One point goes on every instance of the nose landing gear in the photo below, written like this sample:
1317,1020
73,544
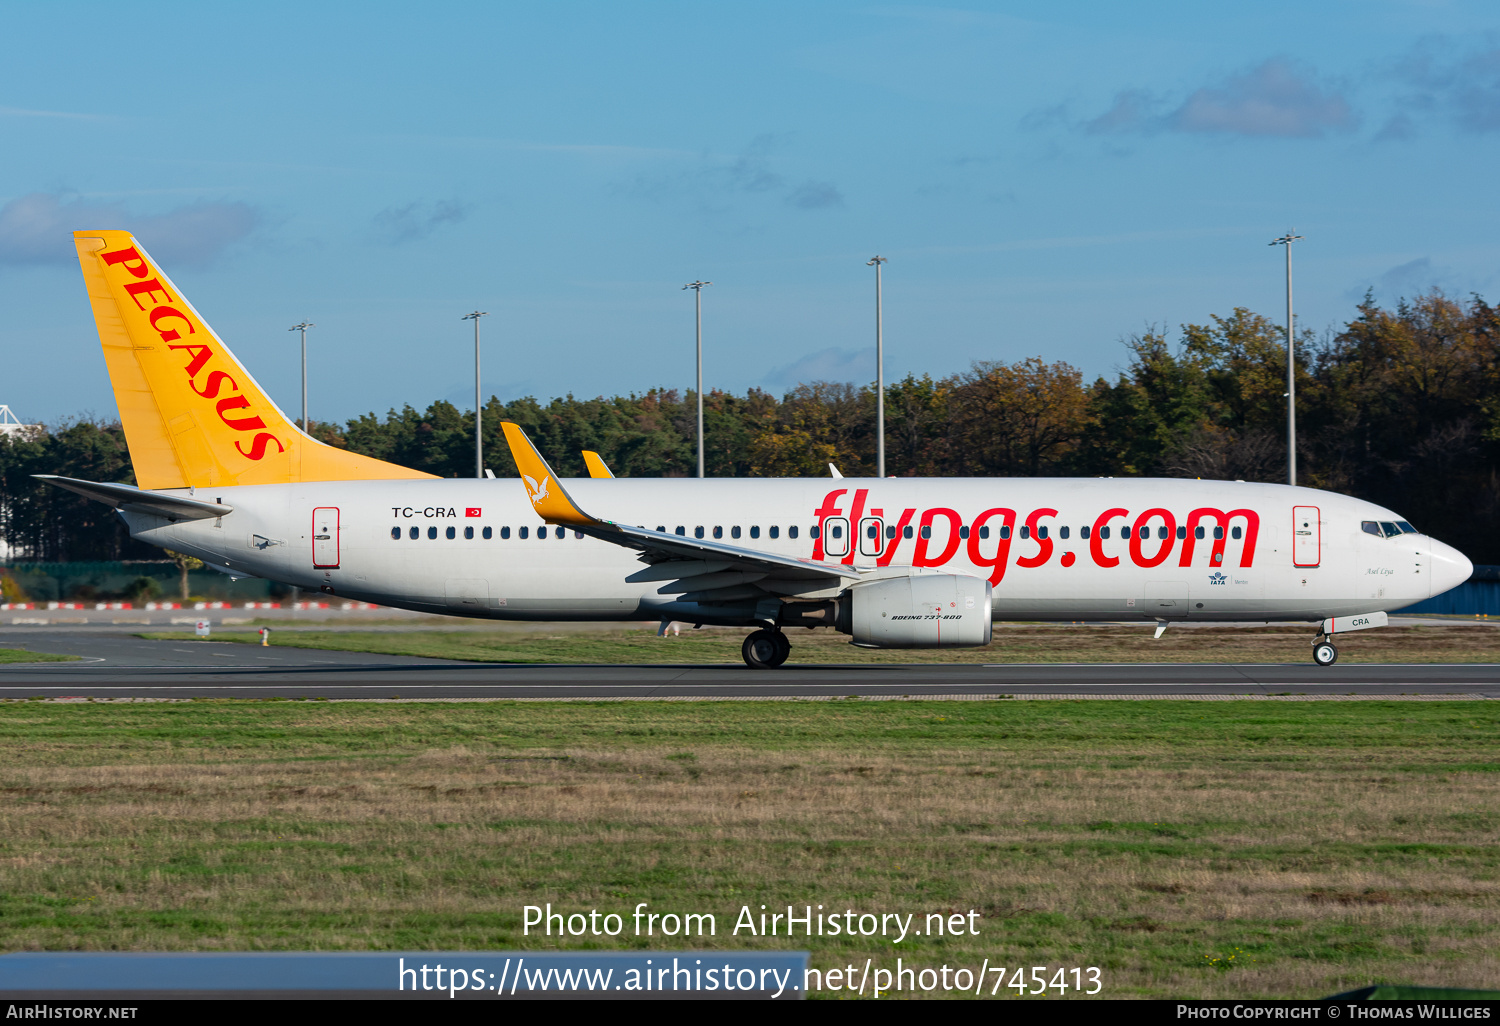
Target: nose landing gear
1324,653
765,649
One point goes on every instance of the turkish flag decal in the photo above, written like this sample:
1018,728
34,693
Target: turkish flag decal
471,511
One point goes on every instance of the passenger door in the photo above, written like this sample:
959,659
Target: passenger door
1307,536
325,546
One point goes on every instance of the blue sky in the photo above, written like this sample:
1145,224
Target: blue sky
1044,179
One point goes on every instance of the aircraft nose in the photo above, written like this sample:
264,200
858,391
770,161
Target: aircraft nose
1450,568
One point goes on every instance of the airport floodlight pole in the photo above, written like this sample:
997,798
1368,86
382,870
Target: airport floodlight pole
875,262
697,287
303,328
478,435
1291,365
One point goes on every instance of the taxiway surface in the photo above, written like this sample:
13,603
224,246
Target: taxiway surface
120,666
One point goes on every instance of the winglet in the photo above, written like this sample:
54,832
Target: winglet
595,463
551,500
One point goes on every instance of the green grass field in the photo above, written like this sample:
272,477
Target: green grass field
1014,643
21,655
1322,845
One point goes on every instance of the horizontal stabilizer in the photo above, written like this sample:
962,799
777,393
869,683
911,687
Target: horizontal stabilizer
131,499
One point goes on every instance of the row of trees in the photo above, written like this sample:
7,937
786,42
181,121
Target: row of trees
1401,406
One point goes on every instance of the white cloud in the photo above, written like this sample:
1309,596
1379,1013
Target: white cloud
831,364
1275,98
38,228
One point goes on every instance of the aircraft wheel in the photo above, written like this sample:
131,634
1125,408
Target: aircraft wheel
761,650
783,648
1324,654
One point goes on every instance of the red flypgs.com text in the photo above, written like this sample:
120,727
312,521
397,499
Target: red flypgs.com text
1145,538
169,322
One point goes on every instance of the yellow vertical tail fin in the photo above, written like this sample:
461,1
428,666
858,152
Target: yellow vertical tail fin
193,416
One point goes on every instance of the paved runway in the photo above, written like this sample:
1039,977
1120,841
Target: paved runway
121,666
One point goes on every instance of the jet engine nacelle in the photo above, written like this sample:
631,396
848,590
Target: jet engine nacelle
922,611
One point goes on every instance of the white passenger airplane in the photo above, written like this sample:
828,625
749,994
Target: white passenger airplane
895,563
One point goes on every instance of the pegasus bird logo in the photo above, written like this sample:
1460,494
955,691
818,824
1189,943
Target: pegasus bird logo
538,491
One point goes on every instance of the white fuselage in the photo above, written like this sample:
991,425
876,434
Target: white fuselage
1284,553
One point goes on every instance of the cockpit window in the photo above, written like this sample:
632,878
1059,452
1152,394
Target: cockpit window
1386,528
1370,527
1406,528
1390,529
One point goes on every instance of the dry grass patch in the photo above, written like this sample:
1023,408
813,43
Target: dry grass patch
1329,845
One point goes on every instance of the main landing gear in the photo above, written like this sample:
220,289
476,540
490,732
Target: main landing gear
1324,654
765,649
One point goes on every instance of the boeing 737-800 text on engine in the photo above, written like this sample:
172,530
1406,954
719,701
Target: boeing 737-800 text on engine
222,474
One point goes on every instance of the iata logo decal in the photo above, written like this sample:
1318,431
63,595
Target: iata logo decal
168,322
538,492
993,539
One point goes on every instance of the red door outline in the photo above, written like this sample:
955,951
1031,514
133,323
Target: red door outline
325,538
1307,536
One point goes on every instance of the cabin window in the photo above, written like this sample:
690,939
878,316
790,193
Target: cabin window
906,532
414,533
774,530
698,531
395,534
1104,532
754,531
718,532
1219,533
1162,532
522,533
578,535
1062,532
468,532
431,533
963,532
1181,532
661,528
873,531
1025,531
1198,533
926,530
488,532
812,532
1041,532
505,534
681,530
1004,531
560,532
791,532
1145,532
452,533
890,531
734,532
1234,532
1083,532
984,532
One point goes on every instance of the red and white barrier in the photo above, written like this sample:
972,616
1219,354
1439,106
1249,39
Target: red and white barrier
63,605
114,605
262,605
17,605
360,605
213,605
163,605
310,605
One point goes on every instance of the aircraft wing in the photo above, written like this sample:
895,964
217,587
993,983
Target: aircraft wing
697,569
140,500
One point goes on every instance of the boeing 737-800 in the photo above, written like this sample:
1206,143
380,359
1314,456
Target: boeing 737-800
224,475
